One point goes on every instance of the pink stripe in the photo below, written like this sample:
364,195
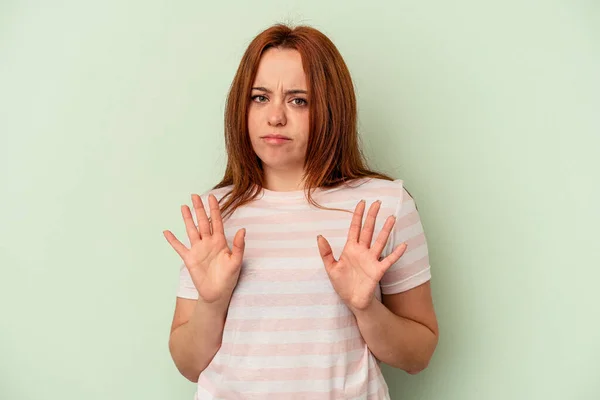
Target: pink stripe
407,220
283,275
307,234
296,324
289,218
292,349
288,374
312,251
303,216
281,300
310,234
299,252
412,242
335,394
415,241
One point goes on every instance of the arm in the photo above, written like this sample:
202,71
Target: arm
402,331
196,334
209,274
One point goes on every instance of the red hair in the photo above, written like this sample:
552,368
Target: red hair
333,155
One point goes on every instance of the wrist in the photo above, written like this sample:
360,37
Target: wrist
363,309
215,309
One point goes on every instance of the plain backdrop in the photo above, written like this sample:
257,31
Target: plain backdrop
111,115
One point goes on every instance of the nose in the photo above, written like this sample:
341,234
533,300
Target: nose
277,115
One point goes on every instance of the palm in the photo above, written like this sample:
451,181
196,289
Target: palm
354,277
213,266
358,271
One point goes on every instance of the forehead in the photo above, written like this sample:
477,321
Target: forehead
281,67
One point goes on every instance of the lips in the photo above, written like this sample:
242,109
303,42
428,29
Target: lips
276,140
276,137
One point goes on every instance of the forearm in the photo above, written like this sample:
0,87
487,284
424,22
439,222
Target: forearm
194,344
397,341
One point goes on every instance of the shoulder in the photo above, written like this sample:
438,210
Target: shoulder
378,188
390,193
219,193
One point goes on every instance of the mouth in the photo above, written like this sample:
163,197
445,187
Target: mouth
276,139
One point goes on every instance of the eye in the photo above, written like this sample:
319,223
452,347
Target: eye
299,102
259,98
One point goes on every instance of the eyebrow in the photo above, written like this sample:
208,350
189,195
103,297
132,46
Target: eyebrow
291,91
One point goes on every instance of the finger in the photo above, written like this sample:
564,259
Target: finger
394,256
176,244
190,227
215,215
203,224
326,252
366,235
356,224
239,243
383,236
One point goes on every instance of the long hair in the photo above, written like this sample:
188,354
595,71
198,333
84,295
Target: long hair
333,155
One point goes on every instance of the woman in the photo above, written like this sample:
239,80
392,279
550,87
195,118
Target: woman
284,293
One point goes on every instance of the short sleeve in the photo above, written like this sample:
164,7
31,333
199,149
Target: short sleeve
412,269
186,288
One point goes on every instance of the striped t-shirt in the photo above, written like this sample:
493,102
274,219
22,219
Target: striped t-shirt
287,334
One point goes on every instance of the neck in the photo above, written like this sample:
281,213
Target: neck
283,180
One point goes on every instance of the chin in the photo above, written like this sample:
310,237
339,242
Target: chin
275,165
278,163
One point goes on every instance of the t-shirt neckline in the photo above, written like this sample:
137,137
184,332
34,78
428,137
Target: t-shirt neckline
295,194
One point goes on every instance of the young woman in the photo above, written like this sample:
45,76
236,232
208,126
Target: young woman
287,290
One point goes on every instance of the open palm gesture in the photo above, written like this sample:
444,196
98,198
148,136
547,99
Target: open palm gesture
213,267
358,271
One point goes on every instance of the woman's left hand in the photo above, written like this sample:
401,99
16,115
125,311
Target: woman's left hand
358,271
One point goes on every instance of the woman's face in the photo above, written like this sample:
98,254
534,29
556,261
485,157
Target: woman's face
278,113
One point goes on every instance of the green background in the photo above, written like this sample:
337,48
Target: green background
111,115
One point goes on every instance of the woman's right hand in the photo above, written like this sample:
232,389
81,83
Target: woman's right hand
213,267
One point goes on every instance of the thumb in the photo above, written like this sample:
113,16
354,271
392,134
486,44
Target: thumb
239,243
326,252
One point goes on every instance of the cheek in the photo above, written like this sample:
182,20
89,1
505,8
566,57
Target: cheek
304,126
254,129
252,122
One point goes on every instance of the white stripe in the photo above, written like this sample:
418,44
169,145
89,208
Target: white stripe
288,312
309,226
413,255
409,232
308,244
267,207
278,361
284,337
284,263
202,394
293,386
406,208
249,287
